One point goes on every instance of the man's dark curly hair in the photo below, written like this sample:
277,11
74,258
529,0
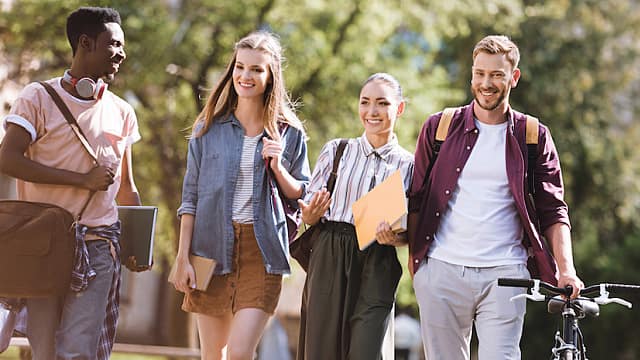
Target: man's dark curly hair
89,21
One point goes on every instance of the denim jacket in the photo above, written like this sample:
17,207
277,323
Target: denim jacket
213,164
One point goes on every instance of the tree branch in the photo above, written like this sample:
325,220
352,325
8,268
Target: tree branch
262,14
206,64
338,42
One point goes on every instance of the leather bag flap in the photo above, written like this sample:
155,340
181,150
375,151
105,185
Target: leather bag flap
27,235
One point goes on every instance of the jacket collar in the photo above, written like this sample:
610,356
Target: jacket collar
469,122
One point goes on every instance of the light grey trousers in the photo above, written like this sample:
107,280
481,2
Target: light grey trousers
454,298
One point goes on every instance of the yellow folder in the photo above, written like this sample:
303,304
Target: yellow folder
385,202
202,266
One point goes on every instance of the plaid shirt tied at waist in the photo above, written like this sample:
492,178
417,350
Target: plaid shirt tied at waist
82,270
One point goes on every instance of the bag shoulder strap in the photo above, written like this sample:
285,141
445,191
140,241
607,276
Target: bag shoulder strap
76,130
531,142
70,119
531,139
441,134
531,130
331,183
443,125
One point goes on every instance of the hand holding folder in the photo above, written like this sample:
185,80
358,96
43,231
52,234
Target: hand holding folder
385,202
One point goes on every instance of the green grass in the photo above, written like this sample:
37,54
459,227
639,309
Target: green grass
136,357
13,353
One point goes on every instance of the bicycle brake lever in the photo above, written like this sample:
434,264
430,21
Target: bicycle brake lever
604,298
535,293
533,297
605,301
622,302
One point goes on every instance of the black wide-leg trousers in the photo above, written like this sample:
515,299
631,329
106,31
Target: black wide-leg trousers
348,296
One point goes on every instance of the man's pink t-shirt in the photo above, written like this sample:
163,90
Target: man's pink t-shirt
110,126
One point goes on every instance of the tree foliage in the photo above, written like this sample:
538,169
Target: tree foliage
580,69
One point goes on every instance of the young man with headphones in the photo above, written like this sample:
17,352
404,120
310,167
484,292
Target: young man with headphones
52,166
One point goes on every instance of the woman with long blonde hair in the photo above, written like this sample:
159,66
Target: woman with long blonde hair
247,149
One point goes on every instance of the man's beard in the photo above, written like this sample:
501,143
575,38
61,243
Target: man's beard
491,106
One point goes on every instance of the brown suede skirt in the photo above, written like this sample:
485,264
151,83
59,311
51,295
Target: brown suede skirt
247,286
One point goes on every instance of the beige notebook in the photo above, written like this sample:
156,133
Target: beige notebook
203,268
385,202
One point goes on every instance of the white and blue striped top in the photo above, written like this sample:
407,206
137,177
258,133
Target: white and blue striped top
242,198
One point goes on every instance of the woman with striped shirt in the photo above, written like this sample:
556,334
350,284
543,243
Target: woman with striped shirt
246,137
349,293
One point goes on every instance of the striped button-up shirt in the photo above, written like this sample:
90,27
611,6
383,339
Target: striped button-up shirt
360,169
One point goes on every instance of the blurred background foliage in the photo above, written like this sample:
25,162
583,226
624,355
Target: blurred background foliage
581,73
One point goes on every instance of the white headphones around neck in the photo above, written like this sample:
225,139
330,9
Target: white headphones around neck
86,87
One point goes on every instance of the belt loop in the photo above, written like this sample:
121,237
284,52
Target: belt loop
112,249
236,229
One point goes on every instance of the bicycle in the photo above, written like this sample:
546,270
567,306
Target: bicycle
569,344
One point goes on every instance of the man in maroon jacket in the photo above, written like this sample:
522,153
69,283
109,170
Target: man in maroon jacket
469,223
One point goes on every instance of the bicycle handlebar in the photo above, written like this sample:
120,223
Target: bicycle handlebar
614,288
593,289
525,283
571,309
529,283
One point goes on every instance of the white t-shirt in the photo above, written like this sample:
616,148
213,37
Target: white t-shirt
109,124
480,227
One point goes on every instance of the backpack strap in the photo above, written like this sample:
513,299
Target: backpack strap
443,125
441,135
532,130
531,136
331,183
